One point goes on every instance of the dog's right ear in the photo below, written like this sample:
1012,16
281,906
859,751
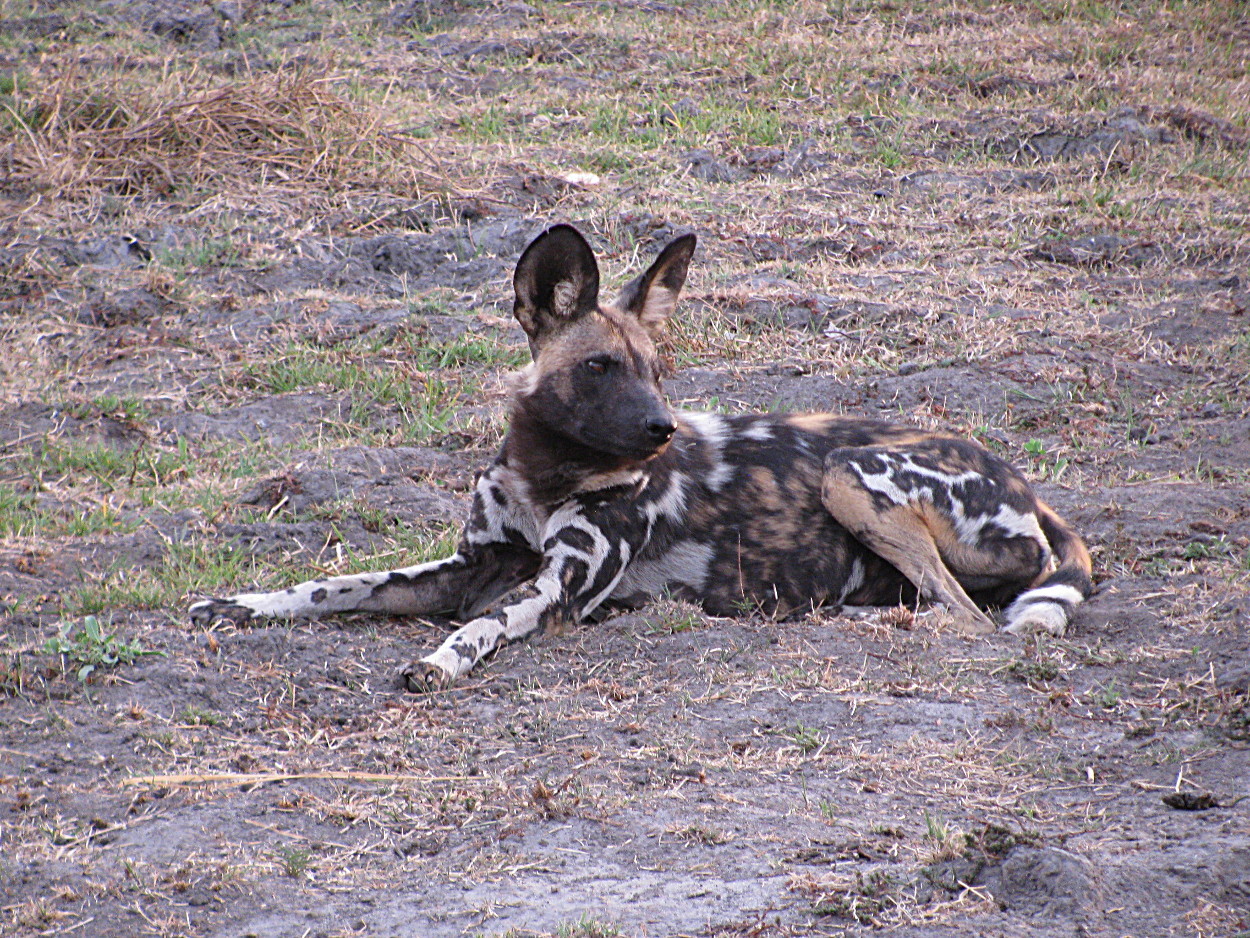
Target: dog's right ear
556,282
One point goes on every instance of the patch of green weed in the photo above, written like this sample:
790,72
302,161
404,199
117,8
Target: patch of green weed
201,254
294,861
807,738
192,715
21,515
89,647
112,466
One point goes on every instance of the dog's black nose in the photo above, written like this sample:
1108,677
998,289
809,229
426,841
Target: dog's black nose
660,429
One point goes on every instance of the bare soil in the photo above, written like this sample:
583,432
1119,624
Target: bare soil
1026,223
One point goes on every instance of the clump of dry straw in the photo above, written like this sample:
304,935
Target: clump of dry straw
173,136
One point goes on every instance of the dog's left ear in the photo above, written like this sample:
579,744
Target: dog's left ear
652,295
556,282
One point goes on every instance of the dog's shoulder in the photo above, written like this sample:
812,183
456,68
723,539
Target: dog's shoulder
504,508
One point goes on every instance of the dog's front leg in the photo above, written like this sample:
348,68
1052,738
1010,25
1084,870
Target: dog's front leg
438,588
581,566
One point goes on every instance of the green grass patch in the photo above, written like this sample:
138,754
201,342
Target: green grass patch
382,368
294,861
22,516
664,124
403,374
587,927
192,715
206,252
17,510
468,350
112,466
407,544
118,407
196,567
490,125
807,738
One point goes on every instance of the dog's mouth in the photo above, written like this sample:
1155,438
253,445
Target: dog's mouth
657,451
642,446
636,454
645,452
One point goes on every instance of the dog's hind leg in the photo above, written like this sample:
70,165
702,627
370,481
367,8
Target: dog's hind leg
950,516
901,536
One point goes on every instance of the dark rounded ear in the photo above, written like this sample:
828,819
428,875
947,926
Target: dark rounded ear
556,282
652,295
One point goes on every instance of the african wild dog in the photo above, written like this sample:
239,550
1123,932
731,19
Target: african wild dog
601,496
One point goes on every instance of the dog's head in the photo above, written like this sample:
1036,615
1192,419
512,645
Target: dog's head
596,375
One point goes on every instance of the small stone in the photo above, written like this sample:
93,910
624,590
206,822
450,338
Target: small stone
1190,800
703,165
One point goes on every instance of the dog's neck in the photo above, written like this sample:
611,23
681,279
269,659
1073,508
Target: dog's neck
556,466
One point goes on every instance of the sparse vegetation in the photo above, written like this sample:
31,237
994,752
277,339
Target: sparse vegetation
255,327
806,738
179,134
588,926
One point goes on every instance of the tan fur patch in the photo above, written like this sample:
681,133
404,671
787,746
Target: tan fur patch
813,423
765,488
591,335
906,436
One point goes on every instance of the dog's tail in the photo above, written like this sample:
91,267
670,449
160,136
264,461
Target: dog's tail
1048,606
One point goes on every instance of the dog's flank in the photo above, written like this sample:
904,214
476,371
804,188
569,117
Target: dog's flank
603,497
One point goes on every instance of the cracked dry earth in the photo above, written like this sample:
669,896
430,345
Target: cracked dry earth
963,229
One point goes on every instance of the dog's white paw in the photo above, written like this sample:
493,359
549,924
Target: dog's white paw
1038,617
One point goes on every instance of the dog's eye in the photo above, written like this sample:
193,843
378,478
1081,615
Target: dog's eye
596,366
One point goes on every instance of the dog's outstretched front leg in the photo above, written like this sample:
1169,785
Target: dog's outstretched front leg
492,558
465,582
581,566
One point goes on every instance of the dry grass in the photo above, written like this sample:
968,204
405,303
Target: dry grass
280,132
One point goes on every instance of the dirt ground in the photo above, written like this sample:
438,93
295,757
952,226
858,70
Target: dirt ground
254,326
